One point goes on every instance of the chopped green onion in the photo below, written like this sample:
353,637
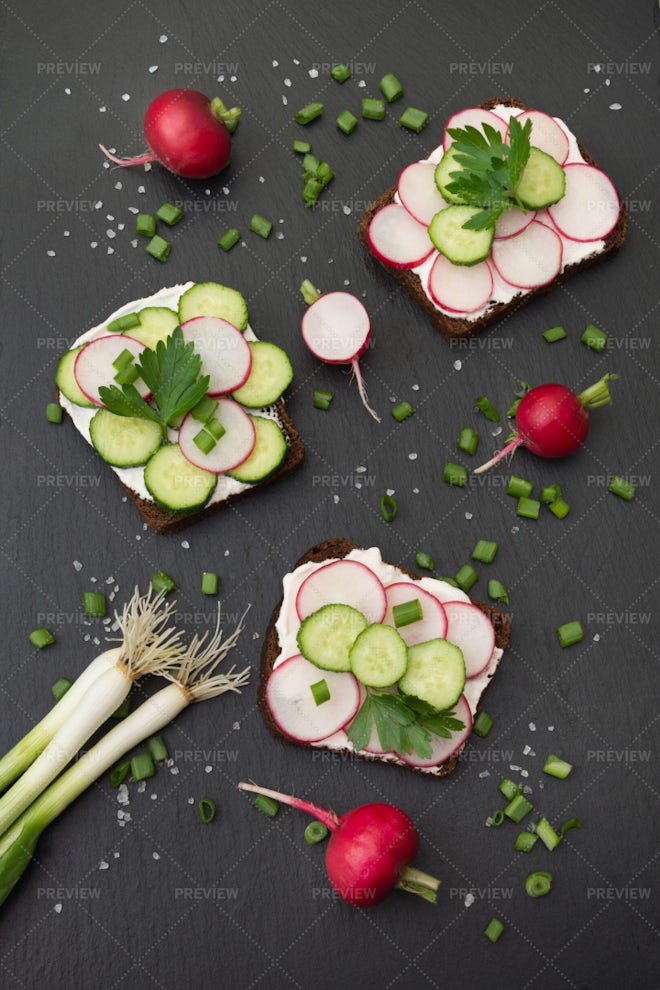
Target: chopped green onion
388,508
142,766
454,474
169,214
157,749
483,403
402,411
509,788
210,583
528,508
550,493
259,225
322,398
547,834
493,929
373,109
538,884
94,603
390,87
215,428
315,832
518,807
309,291
311,191
204,409
485,551
54,412
308,113
518,487
497,818
571,823
624,489
449,580
413,119
407,612
267,805
60,688
325,173
311,166
482,724
119,774
466,577
347,121
127,375
159,248
340,73
162,583
122,710
302,147
525,842
320,692
229,239
468,440
554,334
207,810
497,591
124,323
570,633
123,359
559,508
424,561
145,224
594,337
557,768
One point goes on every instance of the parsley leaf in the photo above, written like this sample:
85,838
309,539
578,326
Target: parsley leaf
403,725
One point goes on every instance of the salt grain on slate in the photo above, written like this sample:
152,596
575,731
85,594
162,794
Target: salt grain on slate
287,82
335,499
102,109
66,233
415,388
110,233
156,855
615,106
51,254
141,189
94,244
103,865
275,63
67,91
458,365
153,68
412,457
125,97
163,39
191,800
362,84
57,909
532,726
469,900
185,544
77,565
313,73
208,769
111,250
347,210
118,185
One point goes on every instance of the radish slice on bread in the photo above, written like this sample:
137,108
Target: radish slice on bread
474,634
397,239
343,582
443,749
546,134
234,446
460,288
94,365
473,117
432,625
292,705
226,356
531,258
513,222
418,192
590,207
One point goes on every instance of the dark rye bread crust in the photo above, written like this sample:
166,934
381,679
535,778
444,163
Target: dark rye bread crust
457,329
340,548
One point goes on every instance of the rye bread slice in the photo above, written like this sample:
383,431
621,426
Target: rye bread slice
461,328
339,548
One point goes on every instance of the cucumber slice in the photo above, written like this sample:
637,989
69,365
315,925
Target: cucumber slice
156,323
269,451
175,484
435,674
379,656
460,246
270,374
66,380
326,636
543,181
124,441
213,299
443,177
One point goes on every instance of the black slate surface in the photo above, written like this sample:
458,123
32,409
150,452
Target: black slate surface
243,902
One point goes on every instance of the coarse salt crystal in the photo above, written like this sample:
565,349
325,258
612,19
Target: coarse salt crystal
468,515
485,773
208,769
57,909
458,365
67,91
185,544
155,855
163,39
412,457
275,63
313,73
51,254
103,865
287,82
469,900
77,565
153,68
125,97
615,106
532,727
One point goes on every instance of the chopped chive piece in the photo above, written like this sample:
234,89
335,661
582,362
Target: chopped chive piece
324,173
468,440
159,248
373,109
571,823
206,809
550,493
215,428
302,147
347,121
559,508
340,73
310,166
60,688
54,412
123,709
547,834
518,487
525,842
162,583
497,591
127,375
210,583
518,807
402,411
123,359
308,113
554,334
538,884
483,403
624,489
424,561
259,225
169,214
509,788
485,551
390,87
204,441
123,323
315,832
528,508
594,337
570,633
557,768
204,409
413,119
229,239
309,291
322,398
482,724
320,692
466,577
267,805
142,766
388,508
493,929
407,612
94,603
497,818
157,749
449,580
311,191
454,474
145,224
119,774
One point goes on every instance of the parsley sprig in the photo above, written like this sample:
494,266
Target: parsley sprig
404,725
171,373
490,169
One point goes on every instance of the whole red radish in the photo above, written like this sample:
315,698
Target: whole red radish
369,851
553,421
187,133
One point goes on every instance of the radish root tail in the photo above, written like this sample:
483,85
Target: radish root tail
509,449
143,159
362,390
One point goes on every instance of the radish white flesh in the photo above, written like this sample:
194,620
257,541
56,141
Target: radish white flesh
529,259
94,364
397,239
473,117
234,446
589,209
460,288
474,634
442,749
546,134
291,702
432,625
226,356
513,222
418,192
343,582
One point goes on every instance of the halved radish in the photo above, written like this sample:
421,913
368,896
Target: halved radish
442,749
513,222
234,446
473,117
460,288
418,192
292,705
546,134
432,625
473,632
531,258
343,582
589,209
94,367
397,239
226,356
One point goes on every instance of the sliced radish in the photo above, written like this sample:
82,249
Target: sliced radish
442,749
460,288
473,632
513,222
473,117
432,625
418,192
226,356
336,327
531,258
234,446
94,364
397,239
343,582
589,209
546,134
291,702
